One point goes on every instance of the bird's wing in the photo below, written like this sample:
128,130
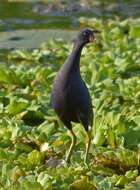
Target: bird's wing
79,101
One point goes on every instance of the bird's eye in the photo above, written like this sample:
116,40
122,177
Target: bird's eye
84,33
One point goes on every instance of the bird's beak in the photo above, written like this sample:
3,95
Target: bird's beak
92,38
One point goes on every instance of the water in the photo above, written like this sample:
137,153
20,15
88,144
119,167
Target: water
26,25
32,38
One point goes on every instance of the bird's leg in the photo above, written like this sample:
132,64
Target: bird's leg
73,142
89,136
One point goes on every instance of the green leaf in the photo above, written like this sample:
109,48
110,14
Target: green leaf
82,184
122,181
8,76
17,105
45,180
29,182
135,31
136,119
100,136
35,157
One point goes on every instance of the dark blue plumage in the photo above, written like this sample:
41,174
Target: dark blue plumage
70,97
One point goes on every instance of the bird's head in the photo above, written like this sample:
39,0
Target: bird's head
85,36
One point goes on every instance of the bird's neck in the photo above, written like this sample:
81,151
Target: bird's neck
74,58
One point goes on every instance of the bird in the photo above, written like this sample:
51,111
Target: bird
70,97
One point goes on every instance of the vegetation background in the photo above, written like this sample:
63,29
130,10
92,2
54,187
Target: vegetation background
36,38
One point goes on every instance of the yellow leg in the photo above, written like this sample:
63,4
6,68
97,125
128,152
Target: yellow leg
87,145
73,142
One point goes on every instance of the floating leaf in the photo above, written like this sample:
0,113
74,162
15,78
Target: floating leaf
35,157
82,184
17,105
